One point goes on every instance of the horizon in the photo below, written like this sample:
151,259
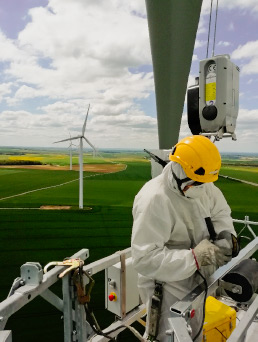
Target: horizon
104,149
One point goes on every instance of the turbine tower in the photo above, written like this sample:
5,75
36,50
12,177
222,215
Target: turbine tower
81,137
71,153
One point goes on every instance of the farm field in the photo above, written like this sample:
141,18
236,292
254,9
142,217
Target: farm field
45,235
28,233
248,173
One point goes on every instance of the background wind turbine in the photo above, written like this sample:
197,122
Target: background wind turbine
71,153
81,137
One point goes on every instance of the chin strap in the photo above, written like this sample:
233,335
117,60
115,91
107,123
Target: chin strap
180,181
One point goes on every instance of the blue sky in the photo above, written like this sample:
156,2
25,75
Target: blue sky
56,56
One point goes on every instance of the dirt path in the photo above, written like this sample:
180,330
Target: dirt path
101,168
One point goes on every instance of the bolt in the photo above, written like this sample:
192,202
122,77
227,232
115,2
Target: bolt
74,332
189,329
22,282
169,332
235,290
186,314
1,319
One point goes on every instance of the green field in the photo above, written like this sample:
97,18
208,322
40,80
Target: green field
30,234
45,235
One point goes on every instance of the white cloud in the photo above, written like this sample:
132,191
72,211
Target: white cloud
248,51
78,52
73,53
221,43
199,43
89,47
231,26
5,89
25,92
250,5
129,129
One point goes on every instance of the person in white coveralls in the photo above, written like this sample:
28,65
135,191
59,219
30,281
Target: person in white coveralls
170,238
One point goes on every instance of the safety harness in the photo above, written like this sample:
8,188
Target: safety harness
155,312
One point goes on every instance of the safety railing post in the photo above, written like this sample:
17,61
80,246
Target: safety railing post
80,321
67,308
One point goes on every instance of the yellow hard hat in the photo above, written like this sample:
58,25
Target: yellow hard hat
199,158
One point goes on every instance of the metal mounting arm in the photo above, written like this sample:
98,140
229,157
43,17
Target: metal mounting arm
180,310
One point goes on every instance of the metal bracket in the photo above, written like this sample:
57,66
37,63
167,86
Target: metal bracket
18,282
6,336
230,287
32,273
180,330
220,134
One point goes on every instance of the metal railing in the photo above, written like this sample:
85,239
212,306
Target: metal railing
76,328
180,311
33,283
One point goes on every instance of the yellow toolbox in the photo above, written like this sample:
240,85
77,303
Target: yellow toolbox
219,322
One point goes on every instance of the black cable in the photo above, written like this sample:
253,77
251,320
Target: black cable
204,302
221,333
215,28
91,322
208,42
98,331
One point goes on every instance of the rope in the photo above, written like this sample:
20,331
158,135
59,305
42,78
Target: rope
215,28
208,42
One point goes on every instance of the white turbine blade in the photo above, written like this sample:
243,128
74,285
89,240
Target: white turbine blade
74,138
90,144
84,125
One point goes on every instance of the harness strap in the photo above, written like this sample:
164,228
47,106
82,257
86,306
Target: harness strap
180,182
155,312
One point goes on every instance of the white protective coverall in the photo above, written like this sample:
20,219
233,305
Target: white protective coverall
167,225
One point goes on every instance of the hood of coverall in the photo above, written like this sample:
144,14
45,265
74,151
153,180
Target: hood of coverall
193,191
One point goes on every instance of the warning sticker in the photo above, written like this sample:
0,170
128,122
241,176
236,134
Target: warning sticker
210,92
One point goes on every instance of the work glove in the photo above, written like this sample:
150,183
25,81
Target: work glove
228,240
207,253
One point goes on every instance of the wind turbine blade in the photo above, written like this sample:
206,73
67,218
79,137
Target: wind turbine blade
90,144
84,125
74,138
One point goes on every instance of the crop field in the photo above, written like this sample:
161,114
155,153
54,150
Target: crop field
247,173
28,233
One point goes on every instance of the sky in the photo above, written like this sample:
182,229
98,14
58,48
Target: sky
59,56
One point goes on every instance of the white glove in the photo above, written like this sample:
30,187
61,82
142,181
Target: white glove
226,248
208,254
